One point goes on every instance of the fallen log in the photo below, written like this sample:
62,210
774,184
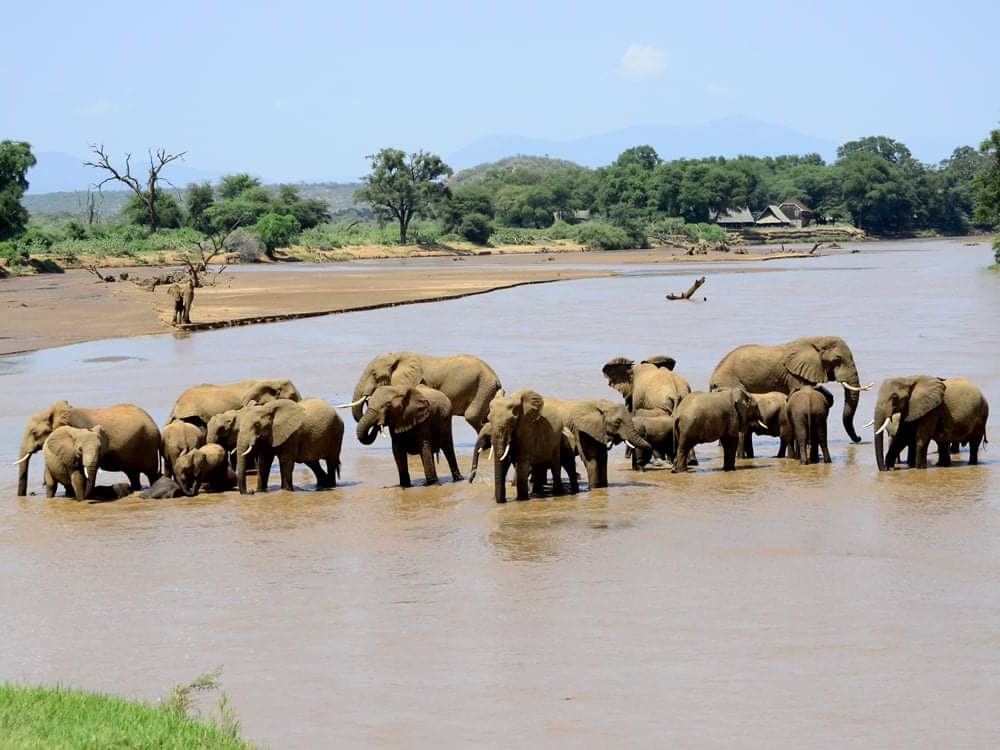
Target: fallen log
691,290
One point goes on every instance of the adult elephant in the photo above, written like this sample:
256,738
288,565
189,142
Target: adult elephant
468,382
721,415
526,430
72,455
785,367
307,431
948,410
199,403
419,423
649,384
595,425
133,439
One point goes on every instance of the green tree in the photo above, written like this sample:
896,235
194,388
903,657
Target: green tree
468,213
876,193
309,212
401,187
987,186
233,185
168,211
198,199
276,230
15,161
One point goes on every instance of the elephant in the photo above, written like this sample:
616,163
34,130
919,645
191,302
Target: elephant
133,439
704,417
526,430
594,425
205,465
806,413
649,384
175,439
306,431
72,455
784,367
164,487
468,382
657,428
182,293
199,403
419,422
772,422
946,410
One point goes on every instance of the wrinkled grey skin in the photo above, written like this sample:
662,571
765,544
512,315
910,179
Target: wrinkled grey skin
527,431
657,428
810,360
947,411
176,438
807,411
199,403
133,439
468,382
649,384
106,492
72,455
419,423
163,488
721,415
595,426
206,466
306,432
771,407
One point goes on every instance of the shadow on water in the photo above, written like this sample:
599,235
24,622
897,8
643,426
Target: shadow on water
778,605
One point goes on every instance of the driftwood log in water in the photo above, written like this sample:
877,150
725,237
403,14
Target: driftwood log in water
691,290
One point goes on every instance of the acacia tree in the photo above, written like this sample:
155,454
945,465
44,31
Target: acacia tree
146,193
401,187
15,161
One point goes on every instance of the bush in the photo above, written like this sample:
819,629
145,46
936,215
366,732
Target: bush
246,244
475,228
600,236
711,233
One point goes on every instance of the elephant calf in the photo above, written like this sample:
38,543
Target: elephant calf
207,465
807,411
72,455
657,428
176,438
721,415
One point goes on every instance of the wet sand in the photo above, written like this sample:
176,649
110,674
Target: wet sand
51,310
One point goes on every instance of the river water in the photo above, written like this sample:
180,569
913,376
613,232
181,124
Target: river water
776,606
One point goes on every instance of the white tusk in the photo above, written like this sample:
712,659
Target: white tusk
353,403
22,459
491,453
855,388
869,423
610,445
885,424
505,452
629,445
247,451
761,423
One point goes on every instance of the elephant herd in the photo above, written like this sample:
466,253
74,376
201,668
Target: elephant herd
216,434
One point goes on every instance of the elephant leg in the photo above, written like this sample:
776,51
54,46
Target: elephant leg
538,475
402,463
427,459
51,485
522,475
555,466
745,449
264,461
321,476
974,449
79,485
729,446
601,461
133,479
956,447
448,448
821,439
568,460
286,469
921,446
944,454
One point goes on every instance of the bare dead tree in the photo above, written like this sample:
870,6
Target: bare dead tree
145,192
691,290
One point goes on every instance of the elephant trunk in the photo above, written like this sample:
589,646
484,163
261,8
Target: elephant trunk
368,427
28,447
196,487
358,400
241,473
90,472
633,438
881,415
500,464
848,376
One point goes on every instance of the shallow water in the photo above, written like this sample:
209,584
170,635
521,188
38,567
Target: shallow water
775,606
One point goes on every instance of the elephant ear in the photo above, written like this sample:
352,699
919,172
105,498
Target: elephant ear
803,360
58,413
407,372
618,371
102,435
416,408
590,421
927,394
660,360
288,417
531,404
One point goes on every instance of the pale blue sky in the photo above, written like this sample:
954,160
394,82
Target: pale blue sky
303,89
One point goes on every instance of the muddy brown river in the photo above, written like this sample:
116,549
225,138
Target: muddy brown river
776,606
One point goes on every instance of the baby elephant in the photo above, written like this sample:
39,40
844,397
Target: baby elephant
207,465
721,415
658,428
419,422
806,412
72,455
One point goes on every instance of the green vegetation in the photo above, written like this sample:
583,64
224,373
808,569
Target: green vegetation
15,161
401,187
987,186
34,717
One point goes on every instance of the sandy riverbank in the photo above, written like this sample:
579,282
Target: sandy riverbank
52,310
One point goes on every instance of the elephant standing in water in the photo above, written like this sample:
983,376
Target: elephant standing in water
949,410
133,439
594,426
207,466
649,384
721,415
72,455
468,382
177,438
806,413
199,403
806,361
419,422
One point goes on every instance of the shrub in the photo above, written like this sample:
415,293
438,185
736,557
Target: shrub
246,244
475,228
600,236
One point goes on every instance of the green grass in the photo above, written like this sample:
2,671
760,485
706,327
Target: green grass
38,717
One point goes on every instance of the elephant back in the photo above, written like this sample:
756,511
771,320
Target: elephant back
133,437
